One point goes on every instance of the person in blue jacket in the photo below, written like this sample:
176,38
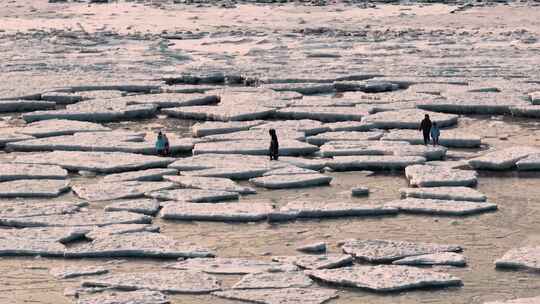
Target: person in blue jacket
160,144
435,133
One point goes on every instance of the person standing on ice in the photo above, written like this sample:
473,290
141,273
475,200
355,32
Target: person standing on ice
435,133
425,127
167,145
274,145
160,144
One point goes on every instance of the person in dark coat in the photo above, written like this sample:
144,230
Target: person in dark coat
274,145
425,127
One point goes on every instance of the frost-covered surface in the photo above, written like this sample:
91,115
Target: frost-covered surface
521,258
171,100
385,278
58,127
280,296
254,134
291,181
156,174
436,176
21,208
448,138
105,232
34,188
409,119
227,212
444,193
232,265
473,103
144,206
138,245
104,191
290,170
384,162
210,183
307,126
165,281
504,159
264,280
397,148
102,162
254,147
384,251
327,261
139,297
13,171
443,258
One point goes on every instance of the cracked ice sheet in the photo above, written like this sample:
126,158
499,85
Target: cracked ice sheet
114,229
324,114
233,266
227,212
210,183
444,193
78,219
409,119
385,278
102,162
59,127
280,296
254,147
291,181
177,282
384,251
34,188
307,126
105,191
220,113
253,134
437,176
131,297
14,171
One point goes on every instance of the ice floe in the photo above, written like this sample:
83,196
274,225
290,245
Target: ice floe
444,193
264,280
102,162
324,114
291,181
59,127
225,212
232,266
384,251
320,139
34,188
170,281
15,171
68,272
201,129
326,261
144,206
385,278
193,195
442,258
137,296
373,162
409,119
104,191
527,258
504,159
254,147
148,175
437,176
280,296
449,138
210,183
